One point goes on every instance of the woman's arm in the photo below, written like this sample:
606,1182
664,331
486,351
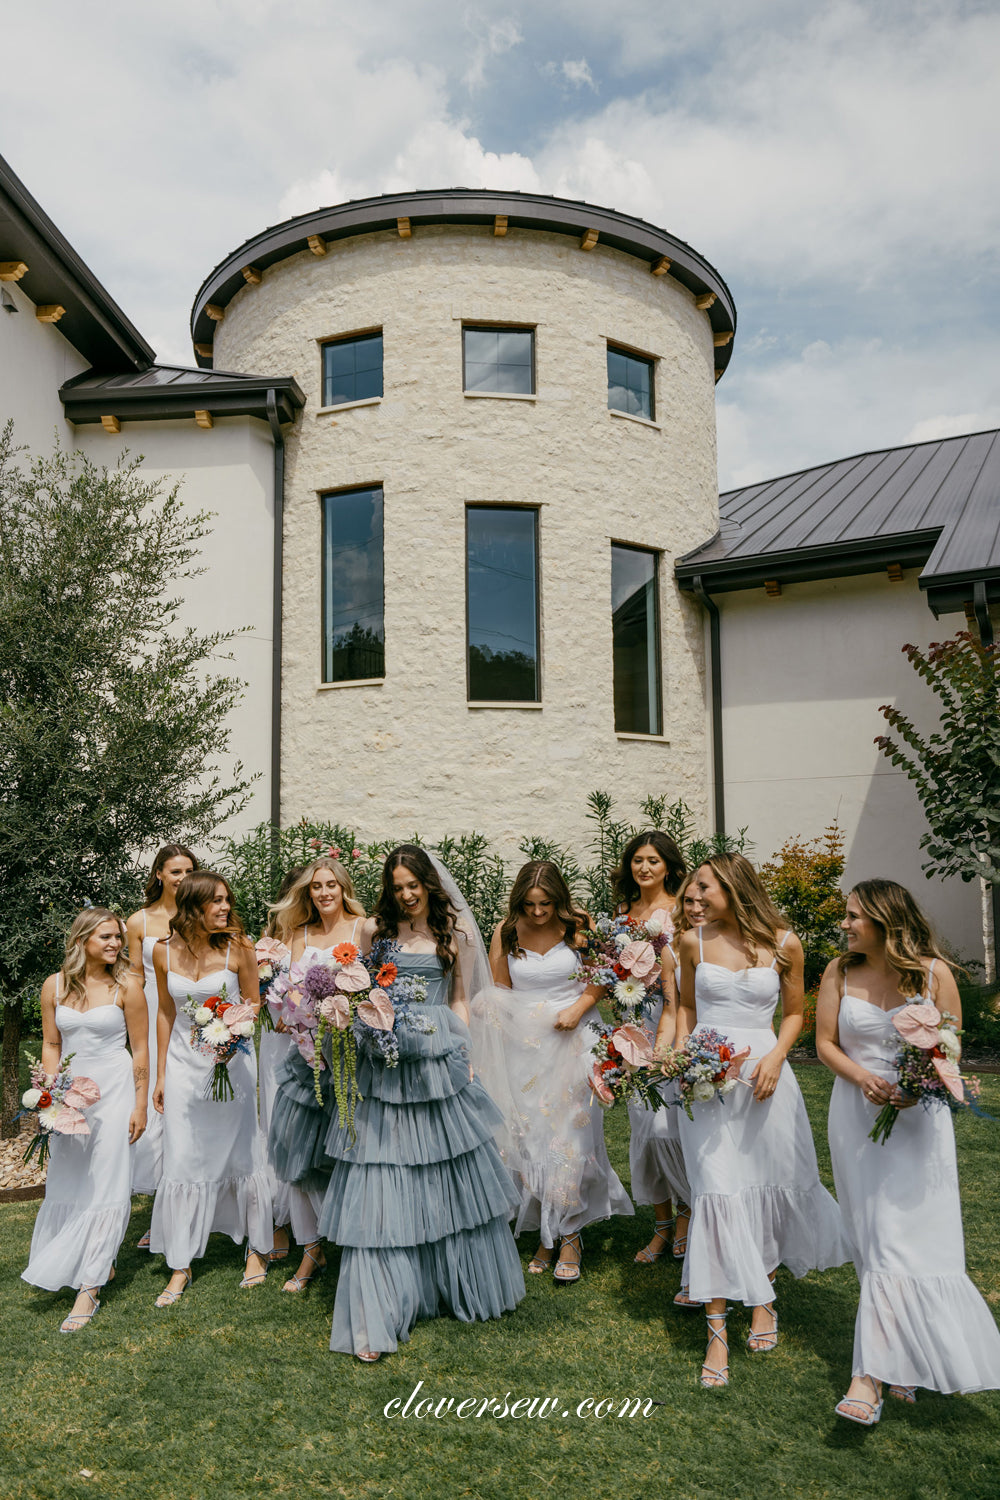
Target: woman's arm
133,932
687,1016
51,1039
828,1049
366,936
944,992
498,960
768,1070
137,1025
570,1017
164,1021
457,999
248,975
666,1031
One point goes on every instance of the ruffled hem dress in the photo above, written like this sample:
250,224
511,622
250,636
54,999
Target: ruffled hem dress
214,1178
82,1222
147,1153
756,1198
920,1320
419,1199
655,1154
554,1130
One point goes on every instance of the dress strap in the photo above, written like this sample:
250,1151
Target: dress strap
144,924
774,960
58,977
228,949
168,955
930,976
305,935
114,997
701,947
355,928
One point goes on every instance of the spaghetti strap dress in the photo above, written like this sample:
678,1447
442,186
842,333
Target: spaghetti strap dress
655,1151
419,1197
147,1153
920,1320
756,1198
214,1179
82,1222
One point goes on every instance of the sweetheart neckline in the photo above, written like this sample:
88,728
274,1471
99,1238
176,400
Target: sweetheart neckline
747,969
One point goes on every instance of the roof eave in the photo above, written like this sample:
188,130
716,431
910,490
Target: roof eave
240,398
807,564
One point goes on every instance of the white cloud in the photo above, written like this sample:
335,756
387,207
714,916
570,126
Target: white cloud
493,40
573,72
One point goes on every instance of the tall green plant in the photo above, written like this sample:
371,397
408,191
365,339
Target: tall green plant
110,731
803,881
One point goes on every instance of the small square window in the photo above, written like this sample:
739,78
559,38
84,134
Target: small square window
630,384
499,360
352,369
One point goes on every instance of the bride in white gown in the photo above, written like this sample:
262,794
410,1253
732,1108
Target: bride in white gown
920,1320
533,1052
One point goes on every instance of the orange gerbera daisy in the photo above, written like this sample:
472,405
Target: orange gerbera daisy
345,953
386,976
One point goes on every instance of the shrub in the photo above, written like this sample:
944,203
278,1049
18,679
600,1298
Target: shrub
803,881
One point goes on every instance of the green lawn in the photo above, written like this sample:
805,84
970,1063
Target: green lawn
235,1393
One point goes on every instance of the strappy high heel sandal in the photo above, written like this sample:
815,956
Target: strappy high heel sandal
143,1244
647,1256
710,1378
75,1321
259,1277
907,1393
169,1297
570,1268
873,1408
755,1340
681,1241
299,1283
538,1263
683,1300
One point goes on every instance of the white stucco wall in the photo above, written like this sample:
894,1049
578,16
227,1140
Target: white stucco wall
410,753
803,677
35,360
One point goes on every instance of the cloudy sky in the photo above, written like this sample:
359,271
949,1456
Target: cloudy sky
837,163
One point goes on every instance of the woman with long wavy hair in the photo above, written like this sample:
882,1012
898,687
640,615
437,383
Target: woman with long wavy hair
315,910
645,889
554,1141
213,1160
143,931
920,1321
757,1201
418,1196
90,1009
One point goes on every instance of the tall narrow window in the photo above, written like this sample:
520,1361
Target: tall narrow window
499,361
636,634
630,384
353,586
352,369
502,594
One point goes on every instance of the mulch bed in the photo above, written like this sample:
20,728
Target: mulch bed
20,1180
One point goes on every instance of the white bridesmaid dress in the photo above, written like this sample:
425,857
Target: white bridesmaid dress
214,1177
82,1222
555,1128
147,1153
757,1201
920,1320
655,1151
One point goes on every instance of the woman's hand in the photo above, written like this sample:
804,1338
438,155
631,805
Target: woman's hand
136,1125
280,1026
879,1090
766,1074
158,1098
570,1018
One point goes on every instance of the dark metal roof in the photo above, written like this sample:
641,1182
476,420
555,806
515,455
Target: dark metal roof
165,391
935,505
92,322
468,206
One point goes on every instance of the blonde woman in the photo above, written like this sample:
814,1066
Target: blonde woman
757,1201
90,1008
689,914
317,911
143,930
920,1320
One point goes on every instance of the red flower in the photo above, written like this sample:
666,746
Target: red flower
386,975
345,953
214,1002
45,1100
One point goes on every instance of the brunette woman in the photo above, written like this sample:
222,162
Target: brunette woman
213,1161
90,1008
316,911
757,1201
419,1197
920,1321
143,930
544,1014
645,887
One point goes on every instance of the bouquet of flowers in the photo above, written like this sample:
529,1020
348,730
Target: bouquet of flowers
707,1065
625,1069
59,1100
270,956
623,956
349,1000
219,1029
927,1065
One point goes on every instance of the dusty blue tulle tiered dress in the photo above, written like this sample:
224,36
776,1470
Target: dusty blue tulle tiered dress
419,1199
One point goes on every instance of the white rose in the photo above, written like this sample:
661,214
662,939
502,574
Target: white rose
216,1033
622,939
654,926
728,1086
242,1028
702,1091
203,1015
30,1098
949,1044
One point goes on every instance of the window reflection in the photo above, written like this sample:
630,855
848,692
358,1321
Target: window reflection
499,359
502,592
635,633
353,586
352,369
630,383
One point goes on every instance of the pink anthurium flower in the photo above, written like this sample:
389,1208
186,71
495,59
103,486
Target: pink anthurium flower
639,959
733,1070
634,1045
336,1009
70,1121
377,1011
599,1087
918,1024
950,1077
352,978
83,1091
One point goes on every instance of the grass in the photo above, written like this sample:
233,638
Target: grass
236,1394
